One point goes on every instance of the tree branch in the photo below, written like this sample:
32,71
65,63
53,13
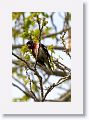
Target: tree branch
23,61
52,21
21,84
60,73
27,92
54,34
20,89
41,85
35,72
66,96
54,47
55,72
60,81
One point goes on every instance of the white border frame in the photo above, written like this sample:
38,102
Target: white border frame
76,104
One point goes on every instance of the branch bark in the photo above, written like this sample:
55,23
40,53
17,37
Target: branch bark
54,34
35,72
54,47
60,81
29,94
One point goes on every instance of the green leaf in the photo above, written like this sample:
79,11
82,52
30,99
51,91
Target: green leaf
25,35
60,57
14,69
26,81
27,23
45,14
32,23
24,49
34,88
44,23
50,47
27,57
16,15
53,36
36,32
22,99
15,33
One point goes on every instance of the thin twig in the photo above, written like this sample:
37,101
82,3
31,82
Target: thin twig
54,47
54,24
30,93
20,83
66,96
41,85
35,72
63,42
23,61
64,67
20,89
54,34
60,81
56,73
29,79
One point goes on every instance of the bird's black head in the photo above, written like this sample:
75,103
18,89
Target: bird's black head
30,44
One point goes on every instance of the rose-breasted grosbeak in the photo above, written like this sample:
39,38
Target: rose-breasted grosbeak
40,53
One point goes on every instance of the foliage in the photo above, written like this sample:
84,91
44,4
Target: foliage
22,99
36,26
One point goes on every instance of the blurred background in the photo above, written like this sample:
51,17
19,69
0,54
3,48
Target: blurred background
56,36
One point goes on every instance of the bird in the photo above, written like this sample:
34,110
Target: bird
40,53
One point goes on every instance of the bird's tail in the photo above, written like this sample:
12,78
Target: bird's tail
49,65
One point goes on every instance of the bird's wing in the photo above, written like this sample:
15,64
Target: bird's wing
46,51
